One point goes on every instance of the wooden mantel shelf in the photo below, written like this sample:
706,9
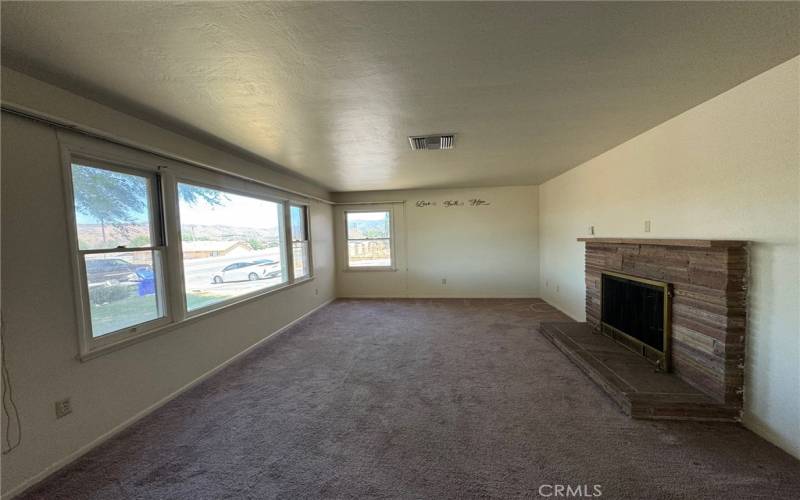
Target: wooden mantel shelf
668,242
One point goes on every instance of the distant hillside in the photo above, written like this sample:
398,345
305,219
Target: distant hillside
91,235
367,229
196,232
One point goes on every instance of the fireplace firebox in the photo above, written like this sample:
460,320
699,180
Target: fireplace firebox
636,313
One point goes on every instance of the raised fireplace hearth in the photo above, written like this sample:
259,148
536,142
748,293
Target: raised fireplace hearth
698,344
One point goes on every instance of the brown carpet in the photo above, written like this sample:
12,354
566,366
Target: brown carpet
417,399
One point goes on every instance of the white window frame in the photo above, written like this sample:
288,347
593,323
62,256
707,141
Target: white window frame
80,149
393,255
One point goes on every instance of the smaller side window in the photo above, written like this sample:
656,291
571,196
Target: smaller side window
369,239
300,250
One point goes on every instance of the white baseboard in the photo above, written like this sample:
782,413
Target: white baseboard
52,469
425,297
552,303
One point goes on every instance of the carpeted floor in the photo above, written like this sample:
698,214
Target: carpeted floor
417,399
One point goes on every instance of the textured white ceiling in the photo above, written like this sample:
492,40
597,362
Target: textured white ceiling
331,90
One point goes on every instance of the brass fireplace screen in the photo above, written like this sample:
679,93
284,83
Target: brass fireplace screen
636,313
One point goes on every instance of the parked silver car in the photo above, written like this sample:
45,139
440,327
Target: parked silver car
250,270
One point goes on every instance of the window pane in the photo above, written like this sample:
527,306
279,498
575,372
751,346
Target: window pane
371,253
232,245
298,223
361,225
300,258
123,289
111,208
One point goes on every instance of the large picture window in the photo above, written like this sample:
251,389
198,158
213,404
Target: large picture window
156,242
233,245
369,239
120,247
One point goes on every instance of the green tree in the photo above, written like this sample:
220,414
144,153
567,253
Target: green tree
256,244
193,194
119,199
108,197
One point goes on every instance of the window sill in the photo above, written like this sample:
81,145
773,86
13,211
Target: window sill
101,350
370,269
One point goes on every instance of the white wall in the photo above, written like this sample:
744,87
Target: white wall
727,169
38,309
482,251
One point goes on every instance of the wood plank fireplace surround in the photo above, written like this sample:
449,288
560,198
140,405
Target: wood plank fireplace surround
707,280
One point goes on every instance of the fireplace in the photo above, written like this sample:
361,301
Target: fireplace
707,310
635,312
679,303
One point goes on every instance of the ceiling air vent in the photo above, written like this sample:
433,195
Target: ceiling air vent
423,142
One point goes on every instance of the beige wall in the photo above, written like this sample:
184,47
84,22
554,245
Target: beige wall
23,92
40,321
727,169
482,251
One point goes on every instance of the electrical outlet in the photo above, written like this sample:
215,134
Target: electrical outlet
444,281
647,226
63,408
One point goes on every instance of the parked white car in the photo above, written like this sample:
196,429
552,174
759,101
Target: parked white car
251,270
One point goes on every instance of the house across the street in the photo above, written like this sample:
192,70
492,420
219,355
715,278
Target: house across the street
203,249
